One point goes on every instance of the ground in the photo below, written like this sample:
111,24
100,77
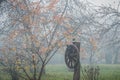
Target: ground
61,72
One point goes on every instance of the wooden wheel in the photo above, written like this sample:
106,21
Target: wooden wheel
71,57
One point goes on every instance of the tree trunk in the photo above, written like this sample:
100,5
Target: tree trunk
76,75
41,72
116,58
108,58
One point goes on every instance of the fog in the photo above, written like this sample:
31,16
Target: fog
59,39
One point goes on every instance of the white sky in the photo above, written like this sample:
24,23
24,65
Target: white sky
105,2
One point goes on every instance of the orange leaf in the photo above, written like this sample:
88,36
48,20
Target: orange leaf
52,4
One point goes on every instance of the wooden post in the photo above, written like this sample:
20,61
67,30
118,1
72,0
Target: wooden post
76,75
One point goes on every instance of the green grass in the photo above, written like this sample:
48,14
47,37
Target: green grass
58,72
61,72
4,76
110,72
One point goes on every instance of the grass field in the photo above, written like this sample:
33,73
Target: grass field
110,72
61,72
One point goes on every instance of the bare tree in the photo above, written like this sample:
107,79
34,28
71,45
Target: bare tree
38,29
109,33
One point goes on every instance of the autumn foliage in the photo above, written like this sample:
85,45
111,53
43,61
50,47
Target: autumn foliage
39,29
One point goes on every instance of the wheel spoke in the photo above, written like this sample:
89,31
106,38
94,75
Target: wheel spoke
74,59
71,57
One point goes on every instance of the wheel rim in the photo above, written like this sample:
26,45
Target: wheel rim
71,57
